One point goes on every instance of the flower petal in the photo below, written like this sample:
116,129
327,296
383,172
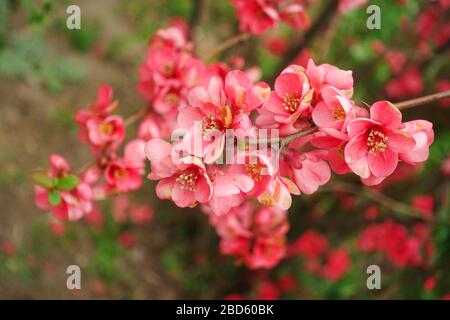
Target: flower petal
288,84
387,114
400,142
383,164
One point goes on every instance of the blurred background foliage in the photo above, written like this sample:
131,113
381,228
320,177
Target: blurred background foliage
47,72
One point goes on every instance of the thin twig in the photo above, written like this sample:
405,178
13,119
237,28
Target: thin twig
227,44
423,100
135,117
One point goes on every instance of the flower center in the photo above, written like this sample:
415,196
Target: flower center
120,174
188,180
291,102
338,113
171,99
167,70
254,171
106,128
209,124
377,141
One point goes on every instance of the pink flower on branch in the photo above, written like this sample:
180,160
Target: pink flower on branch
376,143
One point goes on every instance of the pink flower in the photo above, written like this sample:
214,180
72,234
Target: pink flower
141,214
125,174
291,99
423,134
69,203
242,93
424,204
175,35
308,169
106,133
337,264
95,217
184,181
375,143
126,239
295,15
276,45
256,239
287,283
120,207
269,248
57,227
412,82
101,108
256,16
268,291
311,244
347,5
278,193
228,189
396,60
8,248
206,120
430,283
327,75
392,239
444,4
170,71
336,159
334,111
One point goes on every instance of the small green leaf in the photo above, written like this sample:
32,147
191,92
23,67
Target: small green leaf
67,183
41,179
54,198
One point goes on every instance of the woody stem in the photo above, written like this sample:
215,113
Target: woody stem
135,117
227,44
423,100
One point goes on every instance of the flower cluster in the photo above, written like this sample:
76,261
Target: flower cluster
70,195
430,33
320,259
258,16
393,240
239,148
347,138
256,238
169,72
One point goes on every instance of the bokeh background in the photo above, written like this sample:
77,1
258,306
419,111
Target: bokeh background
48,72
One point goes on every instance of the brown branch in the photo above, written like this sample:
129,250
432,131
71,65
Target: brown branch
135,117
227,44
423,100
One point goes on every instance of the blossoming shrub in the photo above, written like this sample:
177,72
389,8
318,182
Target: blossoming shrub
240,149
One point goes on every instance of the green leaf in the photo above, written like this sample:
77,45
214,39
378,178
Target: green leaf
41,179
54,198
67,183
